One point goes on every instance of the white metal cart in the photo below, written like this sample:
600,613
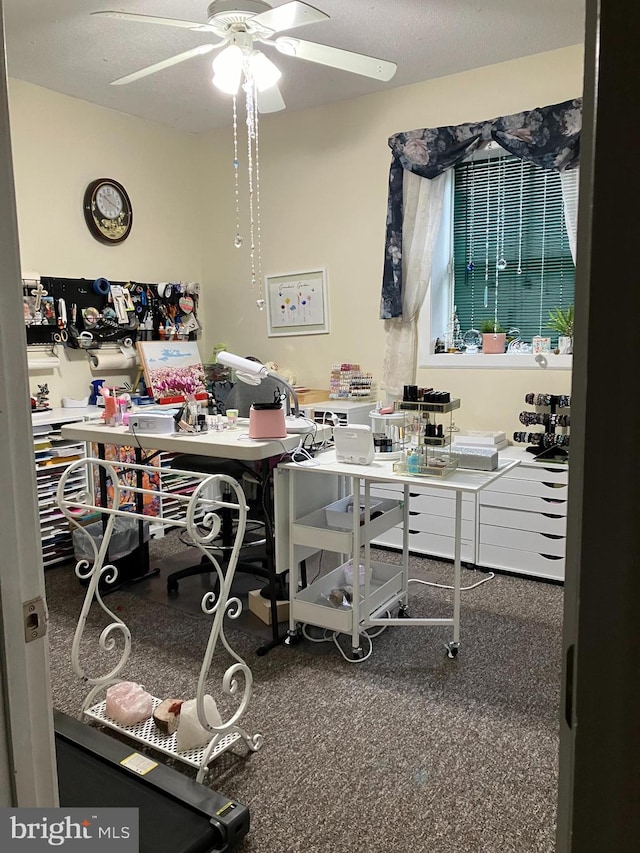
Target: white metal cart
302,496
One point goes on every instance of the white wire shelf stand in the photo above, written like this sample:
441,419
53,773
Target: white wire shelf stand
201,518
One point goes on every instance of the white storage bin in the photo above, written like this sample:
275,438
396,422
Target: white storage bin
340,513
312,606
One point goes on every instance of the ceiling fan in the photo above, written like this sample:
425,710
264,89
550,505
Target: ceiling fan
240,24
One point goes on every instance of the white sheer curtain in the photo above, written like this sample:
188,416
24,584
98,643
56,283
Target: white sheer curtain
569,181
421,223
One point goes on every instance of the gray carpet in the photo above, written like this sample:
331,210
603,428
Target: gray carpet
408,751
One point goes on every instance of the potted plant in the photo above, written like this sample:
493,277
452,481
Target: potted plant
494,338
561,321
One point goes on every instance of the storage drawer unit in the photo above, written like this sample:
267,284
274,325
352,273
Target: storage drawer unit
348,412
432,522
522,521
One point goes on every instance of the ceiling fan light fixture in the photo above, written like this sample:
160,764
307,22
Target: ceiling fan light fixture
227,69
263,71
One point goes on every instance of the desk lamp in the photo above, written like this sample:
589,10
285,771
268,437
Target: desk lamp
253,372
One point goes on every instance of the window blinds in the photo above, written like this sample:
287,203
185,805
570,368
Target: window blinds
512,256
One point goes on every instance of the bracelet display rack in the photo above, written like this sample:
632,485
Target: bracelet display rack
553,442
202,521
428,454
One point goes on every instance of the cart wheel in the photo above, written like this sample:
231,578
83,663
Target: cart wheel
452,649
357,654
403,612
293,637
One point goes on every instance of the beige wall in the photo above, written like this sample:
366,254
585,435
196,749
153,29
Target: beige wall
323,204
323,198
60,144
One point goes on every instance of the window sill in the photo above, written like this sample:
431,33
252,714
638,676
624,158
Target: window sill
506,361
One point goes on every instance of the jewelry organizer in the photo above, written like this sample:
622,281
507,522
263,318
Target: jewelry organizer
549,444
201,520
428,454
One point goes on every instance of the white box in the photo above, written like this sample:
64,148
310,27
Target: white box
340,513
482,438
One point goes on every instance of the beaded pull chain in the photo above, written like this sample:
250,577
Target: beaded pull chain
253,170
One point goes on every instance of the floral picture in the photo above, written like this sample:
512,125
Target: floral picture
172,368
297,303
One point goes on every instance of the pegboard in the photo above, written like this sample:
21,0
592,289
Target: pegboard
84,314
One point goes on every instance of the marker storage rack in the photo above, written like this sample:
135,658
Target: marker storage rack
202,521
553,442
429,453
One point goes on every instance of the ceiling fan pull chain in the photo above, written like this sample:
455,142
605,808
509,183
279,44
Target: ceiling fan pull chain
249,91
237,242
260,299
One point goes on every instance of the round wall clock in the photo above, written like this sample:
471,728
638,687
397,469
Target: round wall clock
107,211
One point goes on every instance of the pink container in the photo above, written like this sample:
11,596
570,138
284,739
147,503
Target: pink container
267,423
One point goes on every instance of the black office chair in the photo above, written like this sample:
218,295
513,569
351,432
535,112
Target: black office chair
258,541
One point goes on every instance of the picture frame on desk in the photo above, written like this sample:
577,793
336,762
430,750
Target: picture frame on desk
297,303
170,368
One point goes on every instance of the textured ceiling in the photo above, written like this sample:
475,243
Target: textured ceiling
58,45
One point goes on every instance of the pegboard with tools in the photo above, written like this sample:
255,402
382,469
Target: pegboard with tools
84,313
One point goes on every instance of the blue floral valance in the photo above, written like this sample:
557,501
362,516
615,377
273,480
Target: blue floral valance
548,136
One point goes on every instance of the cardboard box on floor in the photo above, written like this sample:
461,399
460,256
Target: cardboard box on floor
261,607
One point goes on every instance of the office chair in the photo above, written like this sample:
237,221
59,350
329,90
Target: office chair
253,557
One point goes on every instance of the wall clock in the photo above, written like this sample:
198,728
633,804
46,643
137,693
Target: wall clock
107,211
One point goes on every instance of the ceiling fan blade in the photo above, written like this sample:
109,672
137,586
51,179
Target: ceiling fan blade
153,19
166,63
270,100
357,63
289,16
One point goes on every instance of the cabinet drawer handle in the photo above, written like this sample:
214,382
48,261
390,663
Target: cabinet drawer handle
414,512
554,501
413,532
550,515
555,485
550,557
551,536
414,494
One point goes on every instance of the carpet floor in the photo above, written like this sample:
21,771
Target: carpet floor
405,752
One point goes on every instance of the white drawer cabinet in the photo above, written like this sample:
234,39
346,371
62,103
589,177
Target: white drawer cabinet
432,522
522,519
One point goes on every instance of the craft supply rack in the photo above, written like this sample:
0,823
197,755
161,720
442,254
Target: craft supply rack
202,521
553,442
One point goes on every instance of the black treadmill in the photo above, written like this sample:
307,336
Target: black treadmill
176,813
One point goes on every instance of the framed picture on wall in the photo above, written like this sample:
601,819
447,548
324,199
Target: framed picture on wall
297,303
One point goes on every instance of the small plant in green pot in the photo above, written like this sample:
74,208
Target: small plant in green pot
494,338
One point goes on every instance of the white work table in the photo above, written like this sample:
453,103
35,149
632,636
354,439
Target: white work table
302,493
226,444
233,444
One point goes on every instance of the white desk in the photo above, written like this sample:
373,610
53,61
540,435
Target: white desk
224,444
301,493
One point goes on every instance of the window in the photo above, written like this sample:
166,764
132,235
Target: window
503,253
511,253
